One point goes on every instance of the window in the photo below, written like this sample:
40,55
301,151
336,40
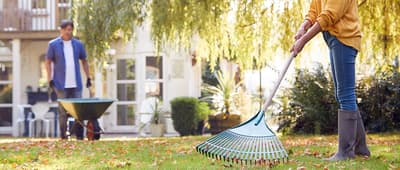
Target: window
154,77
126,92
39,4
5,93
63,10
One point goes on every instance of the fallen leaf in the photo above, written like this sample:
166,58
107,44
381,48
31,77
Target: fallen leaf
14,165
317,165
307,152
301,168
45,161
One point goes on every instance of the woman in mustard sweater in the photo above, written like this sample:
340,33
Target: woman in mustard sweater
338,21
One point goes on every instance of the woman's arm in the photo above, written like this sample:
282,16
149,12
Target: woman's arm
311,17
303,29
299,44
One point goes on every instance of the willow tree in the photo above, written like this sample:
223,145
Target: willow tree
101,22
381,31
240,31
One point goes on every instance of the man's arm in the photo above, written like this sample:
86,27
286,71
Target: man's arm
85,65
48,69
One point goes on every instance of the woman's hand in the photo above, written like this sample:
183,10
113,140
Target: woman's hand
308,35
298,46
303,29
300,33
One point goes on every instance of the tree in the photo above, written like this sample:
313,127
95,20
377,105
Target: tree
381,31
243,31
101,22
240,31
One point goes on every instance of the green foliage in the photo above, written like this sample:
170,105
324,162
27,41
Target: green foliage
381,31
309,106
240,31
156,111
101,22
380,100
203,111
208,75
186,114
222,96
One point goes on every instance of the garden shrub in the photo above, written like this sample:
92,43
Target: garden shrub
187,112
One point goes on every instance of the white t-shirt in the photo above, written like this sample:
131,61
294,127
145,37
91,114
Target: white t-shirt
70,77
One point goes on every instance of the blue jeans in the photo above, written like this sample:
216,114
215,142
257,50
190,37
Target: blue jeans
62,116
342,58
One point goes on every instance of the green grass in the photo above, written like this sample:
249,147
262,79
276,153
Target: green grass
179,153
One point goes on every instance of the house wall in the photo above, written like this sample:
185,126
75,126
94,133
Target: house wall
31,53
180,78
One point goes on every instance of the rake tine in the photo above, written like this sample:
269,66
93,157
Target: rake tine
254,150
272,148
220,146
211,142
275,149
242,144
215,147
263,150
248,151
282,151
230,147
259,157
242,148
256,153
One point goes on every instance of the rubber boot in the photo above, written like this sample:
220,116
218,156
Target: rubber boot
361,147
347,128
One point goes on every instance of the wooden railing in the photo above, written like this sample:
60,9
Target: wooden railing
33,15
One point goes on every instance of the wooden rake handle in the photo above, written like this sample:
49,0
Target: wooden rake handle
280,78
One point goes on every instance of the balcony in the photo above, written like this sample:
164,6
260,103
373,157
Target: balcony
32,19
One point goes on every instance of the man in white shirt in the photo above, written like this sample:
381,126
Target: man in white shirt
65,52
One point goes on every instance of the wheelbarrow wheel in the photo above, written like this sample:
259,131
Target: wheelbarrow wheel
92,130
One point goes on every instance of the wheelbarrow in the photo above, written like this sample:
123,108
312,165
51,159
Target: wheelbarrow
89,109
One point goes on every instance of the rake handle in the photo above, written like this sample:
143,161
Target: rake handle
280,78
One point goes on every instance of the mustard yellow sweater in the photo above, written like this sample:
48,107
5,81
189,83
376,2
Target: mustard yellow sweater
339,17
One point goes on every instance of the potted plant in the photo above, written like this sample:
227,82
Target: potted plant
156,127
222,97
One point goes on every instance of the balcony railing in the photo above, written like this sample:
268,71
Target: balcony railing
33,15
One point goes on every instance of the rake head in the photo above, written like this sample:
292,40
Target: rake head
251,142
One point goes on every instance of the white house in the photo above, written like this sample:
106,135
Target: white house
26,26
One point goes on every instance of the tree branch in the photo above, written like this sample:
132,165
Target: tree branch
362,3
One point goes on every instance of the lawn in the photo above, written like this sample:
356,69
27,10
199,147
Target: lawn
178,153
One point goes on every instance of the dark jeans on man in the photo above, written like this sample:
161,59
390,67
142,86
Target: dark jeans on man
63,116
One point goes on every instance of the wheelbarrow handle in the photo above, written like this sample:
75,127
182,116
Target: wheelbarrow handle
91,93
280,78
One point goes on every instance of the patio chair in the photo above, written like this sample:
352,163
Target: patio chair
40,109
25,120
